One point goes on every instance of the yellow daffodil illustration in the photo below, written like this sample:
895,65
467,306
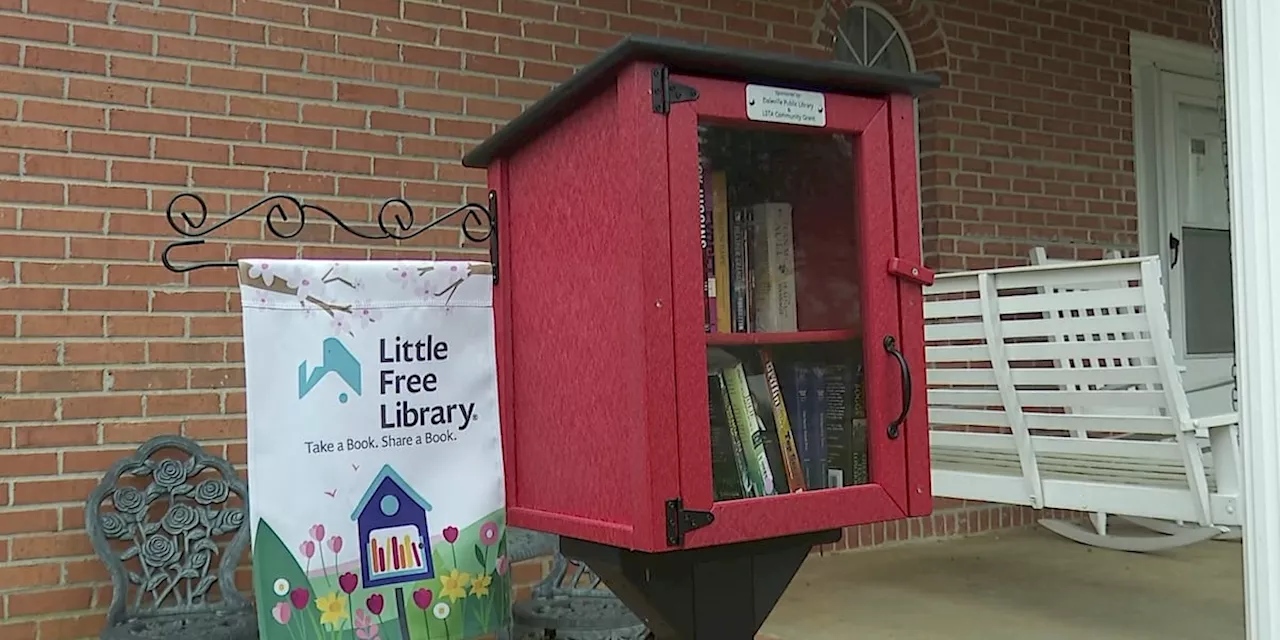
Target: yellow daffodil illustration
480,586
454,585
333,609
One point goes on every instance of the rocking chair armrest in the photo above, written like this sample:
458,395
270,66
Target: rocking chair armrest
1220,420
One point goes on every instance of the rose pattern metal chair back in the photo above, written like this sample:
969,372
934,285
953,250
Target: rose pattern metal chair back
157,522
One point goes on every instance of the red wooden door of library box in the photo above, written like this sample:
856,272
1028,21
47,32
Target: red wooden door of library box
817,308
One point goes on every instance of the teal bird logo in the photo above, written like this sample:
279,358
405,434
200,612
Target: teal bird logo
336,360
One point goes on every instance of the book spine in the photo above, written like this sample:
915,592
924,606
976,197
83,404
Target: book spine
724,471
708,245
738,262
817,434
746,487
749,430
720,242
835,420
781,267
786,439
800,409
858,445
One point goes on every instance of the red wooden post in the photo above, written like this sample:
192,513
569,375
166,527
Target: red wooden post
627,428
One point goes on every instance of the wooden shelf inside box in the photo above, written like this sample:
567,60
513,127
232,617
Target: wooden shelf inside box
767,337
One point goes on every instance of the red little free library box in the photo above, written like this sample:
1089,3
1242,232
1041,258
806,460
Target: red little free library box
710,324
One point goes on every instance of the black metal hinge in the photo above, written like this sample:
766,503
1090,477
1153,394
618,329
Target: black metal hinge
681,521
666,93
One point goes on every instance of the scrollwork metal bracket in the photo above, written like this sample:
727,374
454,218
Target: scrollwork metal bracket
395,221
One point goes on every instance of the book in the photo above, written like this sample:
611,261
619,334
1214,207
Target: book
773,268
782,424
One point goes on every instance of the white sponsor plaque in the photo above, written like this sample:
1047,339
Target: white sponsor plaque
790,106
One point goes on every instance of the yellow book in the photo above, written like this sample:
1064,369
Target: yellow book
720,239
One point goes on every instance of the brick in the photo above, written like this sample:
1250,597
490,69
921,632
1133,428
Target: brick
33,137
111,92
337,66
337,116
163,352
34,219
61,325
268,157
67,599
300,87
183,404
28,409
264,108
342,21
184,100
193,49
147,379
27,464
61,273
29,353
206,152
106,300
63,166
273,12
137,432
54,545
148,172
302,136
368,48
101,406
226,178
301,39
153,19
230,29
107,196
108,249
368,94
110,144
34,192
144,69
26,576
226,129
34,29
144,325
268,57
89,37
251,81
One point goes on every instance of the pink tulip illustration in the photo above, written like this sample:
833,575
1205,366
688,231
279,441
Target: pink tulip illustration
281,612
308,549
375,604
348,582
502,565
335,544
299,598
450,534
422,598
317,532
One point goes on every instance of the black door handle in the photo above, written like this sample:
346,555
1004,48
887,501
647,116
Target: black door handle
1174,243
891,346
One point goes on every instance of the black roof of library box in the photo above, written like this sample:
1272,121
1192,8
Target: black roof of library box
694,59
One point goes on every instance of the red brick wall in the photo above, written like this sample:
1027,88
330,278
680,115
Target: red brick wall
108,108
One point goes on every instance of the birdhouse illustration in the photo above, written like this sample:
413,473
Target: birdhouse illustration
392,522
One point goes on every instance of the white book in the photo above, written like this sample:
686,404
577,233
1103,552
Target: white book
774,292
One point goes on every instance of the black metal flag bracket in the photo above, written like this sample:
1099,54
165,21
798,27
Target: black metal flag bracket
286,216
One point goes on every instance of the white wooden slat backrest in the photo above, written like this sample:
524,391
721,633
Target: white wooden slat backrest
1025,314
1038,257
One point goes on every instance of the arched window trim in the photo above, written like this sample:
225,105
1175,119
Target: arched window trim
898,32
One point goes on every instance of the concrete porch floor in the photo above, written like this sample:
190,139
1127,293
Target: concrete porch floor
1021,584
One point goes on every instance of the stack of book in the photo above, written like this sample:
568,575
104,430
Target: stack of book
781,428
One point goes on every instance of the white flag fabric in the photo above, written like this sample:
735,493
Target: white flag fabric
375,461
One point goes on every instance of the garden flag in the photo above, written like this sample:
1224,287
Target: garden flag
375,462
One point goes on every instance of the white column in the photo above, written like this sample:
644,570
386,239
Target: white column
1252,52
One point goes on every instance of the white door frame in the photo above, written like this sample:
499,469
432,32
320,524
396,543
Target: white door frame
1158,66
1149,54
